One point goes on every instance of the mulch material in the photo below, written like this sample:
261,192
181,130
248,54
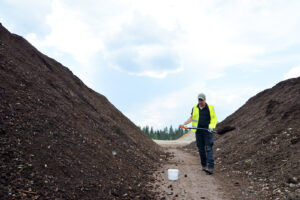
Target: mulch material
61,140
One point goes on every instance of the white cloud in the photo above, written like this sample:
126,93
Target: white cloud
160,74
158,38
200,34
293,73
71,34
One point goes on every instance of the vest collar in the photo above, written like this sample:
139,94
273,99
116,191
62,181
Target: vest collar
203,107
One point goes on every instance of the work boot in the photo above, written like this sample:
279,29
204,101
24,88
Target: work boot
209,170
204,168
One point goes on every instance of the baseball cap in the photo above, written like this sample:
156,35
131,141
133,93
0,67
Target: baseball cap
201,96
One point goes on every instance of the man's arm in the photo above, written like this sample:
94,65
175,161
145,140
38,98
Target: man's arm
189,120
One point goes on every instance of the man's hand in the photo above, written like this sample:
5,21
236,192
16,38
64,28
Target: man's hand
210,130
182,126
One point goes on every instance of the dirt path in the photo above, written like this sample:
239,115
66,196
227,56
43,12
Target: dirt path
193,183
182,141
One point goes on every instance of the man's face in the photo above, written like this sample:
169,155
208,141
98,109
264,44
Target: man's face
201,102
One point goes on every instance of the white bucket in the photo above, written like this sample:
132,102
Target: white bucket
173,174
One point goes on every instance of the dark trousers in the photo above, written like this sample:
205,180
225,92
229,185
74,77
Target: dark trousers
205,142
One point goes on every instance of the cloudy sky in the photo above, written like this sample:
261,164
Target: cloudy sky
152,58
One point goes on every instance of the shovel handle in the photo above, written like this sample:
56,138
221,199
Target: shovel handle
184,127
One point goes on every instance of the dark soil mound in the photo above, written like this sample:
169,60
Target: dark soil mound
60,139
264,148
260,149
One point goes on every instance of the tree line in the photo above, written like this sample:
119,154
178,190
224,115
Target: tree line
164,134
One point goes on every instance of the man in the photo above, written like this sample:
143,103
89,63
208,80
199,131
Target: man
204,118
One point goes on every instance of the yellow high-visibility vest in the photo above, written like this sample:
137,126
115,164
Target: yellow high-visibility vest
195,117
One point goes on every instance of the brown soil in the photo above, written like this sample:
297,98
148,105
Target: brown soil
262,154
61,140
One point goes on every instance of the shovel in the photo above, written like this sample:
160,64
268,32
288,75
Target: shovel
187,128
